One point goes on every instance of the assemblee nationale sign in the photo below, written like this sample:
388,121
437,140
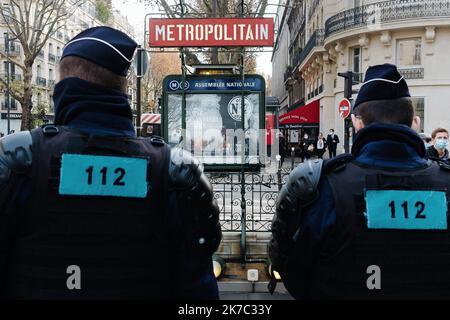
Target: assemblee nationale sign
230,32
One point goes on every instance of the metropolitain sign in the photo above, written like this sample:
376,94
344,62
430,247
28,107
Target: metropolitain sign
229,32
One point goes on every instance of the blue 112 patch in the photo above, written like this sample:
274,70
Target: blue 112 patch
405,209
89,175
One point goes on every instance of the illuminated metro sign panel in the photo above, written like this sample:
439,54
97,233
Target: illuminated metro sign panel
229,32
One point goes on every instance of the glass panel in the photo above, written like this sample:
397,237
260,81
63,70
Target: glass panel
213,123
357,60
419,110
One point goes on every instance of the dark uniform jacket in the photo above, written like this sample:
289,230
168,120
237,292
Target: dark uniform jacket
121,253
433,154
324,255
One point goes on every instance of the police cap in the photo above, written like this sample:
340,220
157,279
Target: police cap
382,82
104,46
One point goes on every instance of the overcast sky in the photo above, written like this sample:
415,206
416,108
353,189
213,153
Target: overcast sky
136,11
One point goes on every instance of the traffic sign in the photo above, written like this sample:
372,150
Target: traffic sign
344,108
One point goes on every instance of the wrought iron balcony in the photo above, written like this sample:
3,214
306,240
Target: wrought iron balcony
358,78
13,105
12,77
288,73
412,73
316,40
14,49
386,11
41,81
51,57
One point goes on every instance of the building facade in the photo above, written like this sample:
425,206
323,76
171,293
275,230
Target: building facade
332,36
45,67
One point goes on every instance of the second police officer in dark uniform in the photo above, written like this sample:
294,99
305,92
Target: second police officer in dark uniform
90,211
372,224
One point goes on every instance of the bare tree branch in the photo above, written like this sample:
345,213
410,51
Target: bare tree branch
32,23
16,95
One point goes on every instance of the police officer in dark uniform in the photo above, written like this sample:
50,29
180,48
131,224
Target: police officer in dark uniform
371,224
90,211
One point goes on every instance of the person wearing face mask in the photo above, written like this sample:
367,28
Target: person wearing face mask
439,143
306,146
332,142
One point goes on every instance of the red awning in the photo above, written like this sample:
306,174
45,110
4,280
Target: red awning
309,114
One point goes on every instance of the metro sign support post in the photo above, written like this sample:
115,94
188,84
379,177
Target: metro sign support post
347,102
222,32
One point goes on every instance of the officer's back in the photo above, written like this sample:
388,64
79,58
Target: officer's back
90,211
372,224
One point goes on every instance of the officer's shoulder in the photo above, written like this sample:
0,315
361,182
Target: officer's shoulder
337,163
184,169
307,171
16,150
444,165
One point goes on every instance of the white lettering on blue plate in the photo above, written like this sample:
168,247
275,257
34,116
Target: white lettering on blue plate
405,209
89,175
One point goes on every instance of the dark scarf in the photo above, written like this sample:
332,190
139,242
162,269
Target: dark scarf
93,108
388,132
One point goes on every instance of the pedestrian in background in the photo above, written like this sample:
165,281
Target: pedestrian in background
306,147
439,143
332,142
321,145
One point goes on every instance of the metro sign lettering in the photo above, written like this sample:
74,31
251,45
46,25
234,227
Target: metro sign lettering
230,32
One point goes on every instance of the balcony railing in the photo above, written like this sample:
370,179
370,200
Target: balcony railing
13,77
358,78
51,57
5,105
412,73
51,83
41,81
288,73
387,11
296,27
14,50
316,40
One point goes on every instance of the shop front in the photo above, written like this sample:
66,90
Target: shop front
300,121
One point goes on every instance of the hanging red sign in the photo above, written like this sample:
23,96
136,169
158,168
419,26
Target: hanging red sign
223,32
